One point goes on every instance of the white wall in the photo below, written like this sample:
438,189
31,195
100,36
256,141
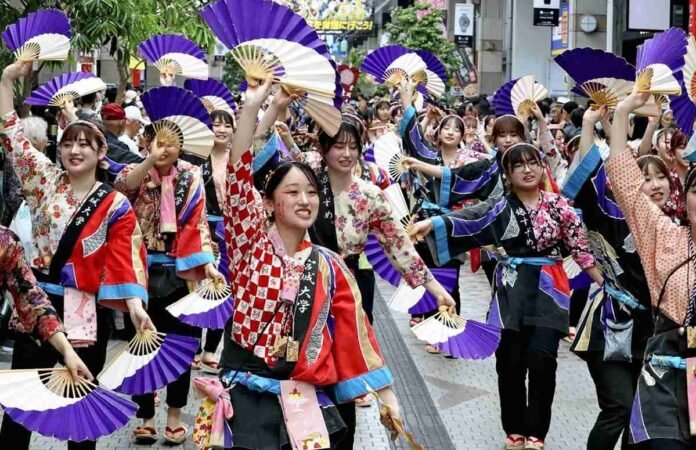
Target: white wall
531,46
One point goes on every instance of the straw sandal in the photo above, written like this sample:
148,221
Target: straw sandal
145,435
176,436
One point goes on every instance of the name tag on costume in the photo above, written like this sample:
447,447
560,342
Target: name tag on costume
303,418
80,317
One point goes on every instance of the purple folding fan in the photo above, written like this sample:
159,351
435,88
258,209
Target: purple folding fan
149,362
602,76
436,75
213,93
518,97
659,61
209,306
447,277
181,118
476,341
41,35
50,403
269,39
173,54
584,64
684,105
378,61
379,261
65,88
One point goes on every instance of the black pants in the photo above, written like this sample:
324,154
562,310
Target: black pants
347,412
28,355
366,284
615,383
489,269
578,299
533,351
177,390
212,340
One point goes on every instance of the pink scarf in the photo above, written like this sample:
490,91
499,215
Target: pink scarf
211,429
167,203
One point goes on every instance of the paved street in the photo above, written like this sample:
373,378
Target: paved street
448,403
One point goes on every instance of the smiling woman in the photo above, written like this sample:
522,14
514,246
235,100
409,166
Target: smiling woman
77,223
297,321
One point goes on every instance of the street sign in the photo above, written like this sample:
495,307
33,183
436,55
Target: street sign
546,13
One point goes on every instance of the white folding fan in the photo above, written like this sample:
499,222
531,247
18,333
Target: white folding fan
439,327
405,297
209,306
149,362
525,94
389,155
658,60
395,198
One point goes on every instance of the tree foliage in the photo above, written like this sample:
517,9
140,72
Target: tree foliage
118,26
422,33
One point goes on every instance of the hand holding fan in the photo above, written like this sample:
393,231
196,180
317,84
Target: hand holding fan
418,300
65,89
393,64
43,35
518,97
395,425
213,93
51,403
269,39
389,156
173,54
149,362
459,337
209,306
180,119
659,61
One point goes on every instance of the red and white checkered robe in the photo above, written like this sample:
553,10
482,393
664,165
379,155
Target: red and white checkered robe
340,346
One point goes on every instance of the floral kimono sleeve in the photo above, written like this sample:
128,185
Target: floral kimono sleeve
395,241
35,171
33,311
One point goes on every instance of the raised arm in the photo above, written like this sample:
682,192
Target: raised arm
11,73
646,142
246,126
278,107
589,119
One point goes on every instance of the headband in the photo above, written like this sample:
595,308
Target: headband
90,125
